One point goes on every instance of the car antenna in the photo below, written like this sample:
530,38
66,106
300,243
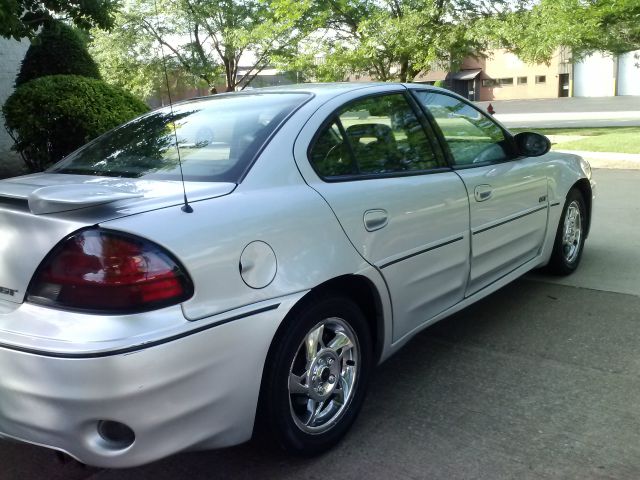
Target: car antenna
186,207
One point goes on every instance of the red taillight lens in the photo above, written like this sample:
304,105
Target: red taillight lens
106,271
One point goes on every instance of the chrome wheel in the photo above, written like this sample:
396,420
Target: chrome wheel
323,375
572,232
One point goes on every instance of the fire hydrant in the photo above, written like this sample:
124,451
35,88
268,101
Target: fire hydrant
490,109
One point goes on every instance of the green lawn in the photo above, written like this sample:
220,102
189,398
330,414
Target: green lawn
609,139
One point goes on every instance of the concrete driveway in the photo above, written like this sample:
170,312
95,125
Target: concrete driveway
539,380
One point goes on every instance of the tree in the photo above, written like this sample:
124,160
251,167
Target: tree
208,39
24,18
611,26
130,59
58,49
397,39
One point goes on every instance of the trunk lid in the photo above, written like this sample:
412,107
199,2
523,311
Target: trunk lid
38,211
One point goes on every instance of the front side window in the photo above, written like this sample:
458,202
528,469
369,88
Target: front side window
217,139
472,137
376,135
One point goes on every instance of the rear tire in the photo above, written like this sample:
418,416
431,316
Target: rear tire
570,236
316,375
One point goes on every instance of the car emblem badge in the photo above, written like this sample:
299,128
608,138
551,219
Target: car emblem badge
8,291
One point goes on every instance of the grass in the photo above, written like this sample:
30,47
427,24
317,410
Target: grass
606,139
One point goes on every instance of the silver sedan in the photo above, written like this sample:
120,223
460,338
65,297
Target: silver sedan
243,261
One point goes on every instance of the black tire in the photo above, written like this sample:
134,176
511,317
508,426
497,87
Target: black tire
277,413
561,262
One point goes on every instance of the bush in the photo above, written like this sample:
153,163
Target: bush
57,50
440,83
54,115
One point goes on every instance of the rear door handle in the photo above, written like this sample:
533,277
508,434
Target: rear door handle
483,192
375,219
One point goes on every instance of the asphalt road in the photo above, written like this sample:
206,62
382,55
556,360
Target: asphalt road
574,104
550,121
539,380
568,112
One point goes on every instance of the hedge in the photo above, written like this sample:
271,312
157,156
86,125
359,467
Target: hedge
57,50
54,115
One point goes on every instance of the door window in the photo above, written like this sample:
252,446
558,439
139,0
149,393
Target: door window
330,156
375,135
472,137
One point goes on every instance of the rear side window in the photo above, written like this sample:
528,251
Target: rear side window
330,155
472,137
376,135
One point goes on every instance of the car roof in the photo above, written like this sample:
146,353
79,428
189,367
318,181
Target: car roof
319,90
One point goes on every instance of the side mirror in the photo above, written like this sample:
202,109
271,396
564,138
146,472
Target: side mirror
531,144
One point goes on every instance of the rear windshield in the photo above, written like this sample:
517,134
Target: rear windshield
217,139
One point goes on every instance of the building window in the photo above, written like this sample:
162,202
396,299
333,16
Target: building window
541,79
522,80
497,82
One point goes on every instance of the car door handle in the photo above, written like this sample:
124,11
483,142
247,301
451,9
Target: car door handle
375,219
483,192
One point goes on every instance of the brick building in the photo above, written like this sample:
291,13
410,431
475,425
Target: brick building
503,76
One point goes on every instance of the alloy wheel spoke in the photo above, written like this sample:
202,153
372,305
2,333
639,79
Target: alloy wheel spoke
314,408
340,342
313,343
347,379
340,393
295,385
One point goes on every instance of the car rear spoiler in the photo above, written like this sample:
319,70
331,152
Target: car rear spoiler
63,198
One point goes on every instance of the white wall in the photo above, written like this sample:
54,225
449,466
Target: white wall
594,77
11,54
629,74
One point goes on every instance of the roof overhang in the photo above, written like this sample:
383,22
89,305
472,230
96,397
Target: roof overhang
431,76
466,74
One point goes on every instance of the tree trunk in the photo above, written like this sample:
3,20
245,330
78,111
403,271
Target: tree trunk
404,69
228,71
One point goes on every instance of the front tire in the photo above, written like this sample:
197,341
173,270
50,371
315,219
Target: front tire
570,237
316,375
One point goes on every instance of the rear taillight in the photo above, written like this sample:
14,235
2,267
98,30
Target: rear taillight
105,271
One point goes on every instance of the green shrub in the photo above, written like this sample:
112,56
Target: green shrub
54,115
440,83
57,50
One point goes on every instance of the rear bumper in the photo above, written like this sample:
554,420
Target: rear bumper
198,391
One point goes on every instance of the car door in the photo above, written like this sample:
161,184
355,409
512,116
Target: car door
507,194
402,207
